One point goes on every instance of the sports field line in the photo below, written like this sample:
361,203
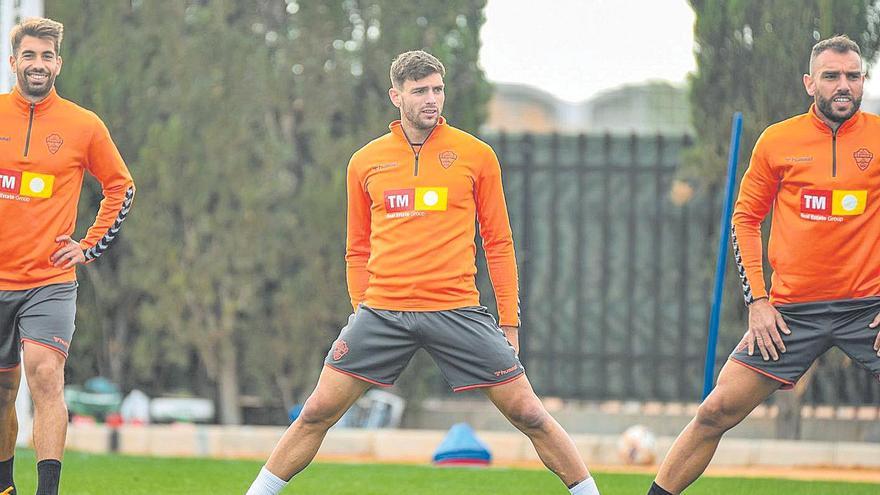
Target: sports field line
855,475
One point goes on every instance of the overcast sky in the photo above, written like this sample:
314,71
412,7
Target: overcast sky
576,48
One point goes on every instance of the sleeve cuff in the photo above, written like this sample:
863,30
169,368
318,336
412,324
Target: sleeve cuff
756,299
85,248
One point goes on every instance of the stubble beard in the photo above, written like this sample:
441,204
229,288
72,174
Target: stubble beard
826,106
31,91
413,116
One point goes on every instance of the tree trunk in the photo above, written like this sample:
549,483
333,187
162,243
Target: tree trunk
227,384
788,420
789,402
118,347
284,390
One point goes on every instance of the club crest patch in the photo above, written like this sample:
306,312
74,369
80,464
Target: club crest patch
863,158
340,349
54,142
447,158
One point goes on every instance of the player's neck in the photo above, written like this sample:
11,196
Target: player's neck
415,135
832,124
31,98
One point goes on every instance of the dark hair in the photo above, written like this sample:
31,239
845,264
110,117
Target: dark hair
38,27
414,65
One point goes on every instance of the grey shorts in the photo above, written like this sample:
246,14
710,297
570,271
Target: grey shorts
42,315
815,328
466,343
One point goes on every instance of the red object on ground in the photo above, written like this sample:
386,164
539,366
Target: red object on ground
114,420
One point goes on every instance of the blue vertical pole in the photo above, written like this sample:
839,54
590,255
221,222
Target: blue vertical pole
726,212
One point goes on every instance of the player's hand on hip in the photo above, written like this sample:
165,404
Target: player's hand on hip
68,255
512,334
765,323
875,324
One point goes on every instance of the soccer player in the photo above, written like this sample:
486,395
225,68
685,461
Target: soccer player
818,174
413,197
46,144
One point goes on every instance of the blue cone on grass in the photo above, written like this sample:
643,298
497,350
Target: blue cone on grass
461,447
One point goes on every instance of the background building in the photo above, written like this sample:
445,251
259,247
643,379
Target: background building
648,108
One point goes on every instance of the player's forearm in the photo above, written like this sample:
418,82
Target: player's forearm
114,209
748,254
501,259
757,194
505,282
358,279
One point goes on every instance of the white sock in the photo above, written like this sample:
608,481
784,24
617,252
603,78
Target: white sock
266,484
586,487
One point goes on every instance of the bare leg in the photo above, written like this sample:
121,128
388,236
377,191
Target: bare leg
45,374
519,404
333,395
8,421
738,392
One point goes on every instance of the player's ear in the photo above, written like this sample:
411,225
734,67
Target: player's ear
394,94
808,85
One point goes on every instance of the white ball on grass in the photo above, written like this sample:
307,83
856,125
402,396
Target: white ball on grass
637,446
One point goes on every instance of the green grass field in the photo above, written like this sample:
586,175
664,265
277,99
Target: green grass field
86,474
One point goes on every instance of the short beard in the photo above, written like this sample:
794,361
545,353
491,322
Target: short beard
825,106
413,118
29,90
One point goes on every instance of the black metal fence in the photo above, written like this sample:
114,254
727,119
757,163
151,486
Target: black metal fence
616,274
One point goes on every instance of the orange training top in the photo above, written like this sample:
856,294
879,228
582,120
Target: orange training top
824,188
44,150
411,224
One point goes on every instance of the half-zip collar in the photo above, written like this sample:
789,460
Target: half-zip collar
32,110
397,128
22,104
850,124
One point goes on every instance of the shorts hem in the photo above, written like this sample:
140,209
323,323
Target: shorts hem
786,384
359,377
11,368
489,384
47,346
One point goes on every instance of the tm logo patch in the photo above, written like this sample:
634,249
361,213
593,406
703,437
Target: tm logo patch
416,199
26,184
824,204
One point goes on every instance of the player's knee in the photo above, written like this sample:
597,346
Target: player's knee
715,414
318,413
529,417
46,381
